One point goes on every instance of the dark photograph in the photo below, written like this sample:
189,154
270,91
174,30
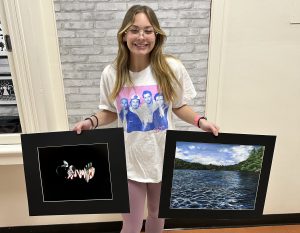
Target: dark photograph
79,172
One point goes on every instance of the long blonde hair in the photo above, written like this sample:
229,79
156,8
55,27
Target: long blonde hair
165,77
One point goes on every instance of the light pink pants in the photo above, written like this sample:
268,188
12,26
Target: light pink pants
133,222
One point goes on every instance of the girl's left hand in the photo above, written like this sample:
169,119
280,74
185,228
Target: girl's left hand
209,127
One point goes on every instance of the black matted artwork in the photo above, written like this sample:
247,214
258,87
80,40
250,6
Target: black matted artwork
215,177
67,173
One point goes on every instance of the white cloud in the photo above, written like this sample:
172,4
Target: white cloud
192,147
180,154
241,153
223,156
207,159
224,150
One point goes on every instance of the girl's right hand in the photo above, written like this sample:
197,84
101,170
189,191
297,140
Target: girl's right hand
82,125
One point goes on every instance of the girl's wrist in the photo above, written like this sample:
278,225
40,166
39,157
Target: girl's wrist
89,119
197,120
94,116
93,119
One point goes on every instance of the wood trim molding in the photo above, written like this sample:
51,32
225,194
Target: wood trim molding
214,75
35,65
35,70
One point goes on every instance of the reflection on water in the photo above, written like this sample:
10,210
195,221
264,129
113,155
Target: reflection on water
206,189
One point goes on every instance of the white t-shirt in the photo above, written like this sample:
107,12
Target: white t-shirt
144,140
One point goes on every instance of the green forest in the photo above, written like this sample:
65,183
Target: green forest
252,164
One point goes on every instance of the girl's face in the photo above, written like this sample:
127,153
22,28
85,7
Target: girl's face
140,36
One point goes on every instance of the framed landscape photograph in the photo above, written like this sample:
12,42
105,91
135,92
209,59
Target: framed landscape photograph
70,173
215,177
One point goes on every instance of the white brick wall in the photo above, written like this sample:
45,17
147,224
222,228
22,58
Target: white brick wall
87,36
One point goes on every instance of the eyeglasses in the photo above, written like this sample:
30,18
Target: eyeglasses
148,31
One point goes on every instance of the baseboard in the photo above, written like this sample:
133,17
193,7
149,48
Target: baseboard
273,219
114,227
98,227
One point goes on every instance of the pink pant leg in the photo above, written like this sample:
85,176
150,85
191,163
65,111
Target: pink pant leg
153,223
133,222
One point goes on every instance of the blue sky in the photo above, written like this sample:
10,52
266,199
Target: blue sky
211,153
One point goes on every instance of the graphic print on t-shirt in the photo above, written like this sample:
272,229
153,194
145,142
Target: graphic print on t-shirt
142,108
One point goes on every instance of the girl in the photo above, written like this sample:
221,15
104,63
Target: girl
141,65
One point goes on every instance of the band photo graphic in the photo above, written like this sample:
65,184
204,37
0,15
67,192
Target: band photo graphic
67,173
142,108
224,176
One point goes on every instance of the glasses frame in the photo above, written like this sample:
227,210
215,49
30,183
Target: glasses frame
136,31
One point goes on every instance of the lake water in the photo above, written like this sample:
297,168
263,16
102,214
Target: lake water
205,189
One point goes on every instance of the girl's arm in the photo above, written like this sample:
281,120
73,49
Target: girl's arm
100,118
187,114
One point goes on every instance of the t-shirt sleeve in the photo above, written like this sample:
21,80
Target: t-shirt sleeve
106,87
187,92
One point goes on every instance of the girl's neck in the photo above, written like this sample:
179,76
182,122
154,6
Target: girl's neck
138,63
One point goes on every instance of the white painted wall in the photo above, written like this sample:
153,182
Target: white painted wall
254,85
